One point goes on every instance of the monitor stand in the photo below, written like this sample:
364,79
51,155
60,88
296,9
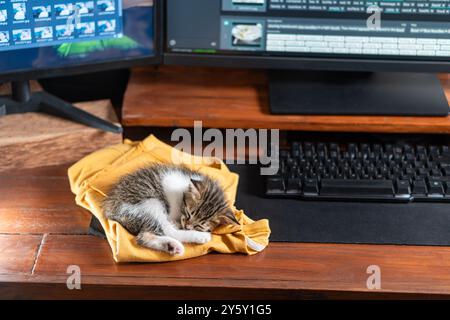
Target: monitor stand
23,100
356,93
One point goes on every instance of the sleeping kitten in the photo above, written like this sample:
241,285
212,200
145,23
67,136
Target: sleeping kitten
165,205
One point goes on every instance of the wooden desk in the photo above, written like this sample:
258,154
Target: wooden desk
42,232
224,98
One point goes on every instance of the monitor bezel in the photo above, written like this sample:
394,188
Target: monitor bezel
113,64
267,61
304,63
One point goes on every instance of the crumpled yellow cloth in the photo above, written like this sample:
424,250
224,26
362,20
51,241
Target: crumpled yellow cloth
92,177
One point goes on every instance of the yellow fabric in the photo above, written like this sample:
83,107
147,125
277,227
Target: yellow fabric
92,177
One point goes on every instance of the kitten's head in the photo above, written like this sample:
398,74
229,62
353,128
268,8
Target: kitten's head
204,206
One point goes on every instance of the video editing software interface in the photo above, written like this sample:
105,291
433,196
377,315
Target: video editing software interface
46,34
402,29
32,23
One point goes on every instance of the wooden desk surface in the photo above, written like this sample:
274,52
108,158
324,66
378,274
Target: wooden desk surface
42,232
224,98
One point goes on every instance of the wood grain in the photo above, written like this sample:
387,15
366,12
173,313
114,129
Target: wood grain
33,139
46,172
18,253
283,266
31,192
40,201
232,98
39,221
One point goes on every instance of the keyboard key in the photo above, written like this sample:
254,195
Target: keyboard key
275,185
284,154
420,187
447,189
435,188
434,151
356,188
403,188
311,187
293,186
435,172
446,171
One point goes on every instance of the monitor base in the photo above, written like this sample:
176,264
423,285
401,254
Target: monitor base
23,101
356,93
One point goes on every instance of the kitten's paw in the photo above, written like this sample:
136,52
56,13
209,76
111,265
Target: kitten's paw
201,237
175,248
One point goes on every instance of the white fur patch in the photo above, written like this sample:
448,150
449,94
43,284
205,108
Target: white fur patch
189,236
175,184
151,208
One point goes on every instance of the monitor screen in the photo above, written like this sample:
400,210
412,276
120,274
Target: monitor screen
51,34
413,30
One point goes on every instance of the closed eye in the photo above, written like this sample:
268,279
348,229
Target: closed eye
202,228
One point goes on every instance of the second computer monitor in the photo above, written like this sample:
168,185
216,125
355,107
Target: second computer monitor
40,38
401,35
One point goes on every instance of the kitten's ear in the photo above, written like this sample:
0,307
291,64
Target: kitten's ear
193,194
228,217
196,187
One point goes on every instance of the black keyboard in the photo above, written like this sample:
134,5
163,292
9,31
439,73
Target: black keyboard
369,171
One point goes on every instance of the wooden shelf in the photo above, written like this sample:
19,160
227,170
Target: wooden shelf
231,98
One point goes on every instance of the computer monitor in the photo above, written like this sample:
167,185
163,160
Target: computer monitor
371,43
44,38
